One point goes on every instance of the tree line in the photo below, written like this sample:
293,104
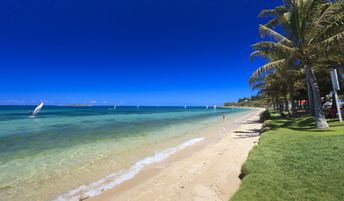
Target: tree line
302,41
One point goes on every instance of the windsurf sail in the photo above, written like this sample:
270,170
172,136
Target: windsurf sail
38,109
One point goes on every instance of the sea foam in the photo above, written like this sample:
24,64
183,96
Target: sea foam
96,188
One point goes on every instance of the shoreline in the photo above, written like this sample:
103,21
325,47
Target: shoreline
245,107
198,171
79,161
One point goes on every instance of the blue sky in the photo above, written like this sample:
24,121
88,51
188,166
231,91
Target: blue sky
148,52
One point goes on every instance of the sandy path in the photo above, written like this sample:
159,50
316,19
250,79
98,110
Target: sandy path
207,173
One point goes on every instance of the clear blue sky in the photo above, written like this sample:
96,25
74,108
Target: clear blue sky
148,52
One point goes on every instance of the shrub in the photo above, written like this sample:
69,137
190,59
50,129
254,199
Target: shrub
265,115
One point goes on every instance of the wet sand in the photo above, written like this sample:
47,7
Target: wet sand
207,171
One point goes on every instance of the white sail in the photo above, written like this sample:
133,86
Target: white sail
38,109
207,106
185,106
214,107
114,107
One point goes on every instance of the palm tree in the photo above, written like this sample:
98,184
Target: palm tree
280,63
315,29
271,90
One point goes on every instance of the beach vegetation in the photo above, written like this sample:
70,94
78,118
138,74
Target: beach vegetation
265,115
253,101
302,41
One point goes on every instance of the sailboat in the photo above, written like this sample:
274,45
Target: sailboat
37,109
114,107
207,106
214,107
185,106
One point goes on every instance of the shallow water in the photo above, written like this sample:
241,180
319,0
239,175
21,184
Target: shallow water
65,147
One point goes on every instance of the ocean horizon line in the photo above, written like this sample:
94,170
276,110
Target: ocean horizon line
87,105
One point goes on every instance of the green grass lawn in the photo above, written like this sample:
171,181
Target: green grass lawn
295,162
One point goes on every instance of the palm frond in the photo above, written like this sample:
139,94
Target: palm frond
274,49
268,67
276,12
338,38
330,23
266,31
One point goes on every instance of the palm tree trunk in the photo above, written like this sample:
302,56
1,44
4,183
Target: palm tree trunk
310,97
280,108
293,104
334,103
318,109
286,103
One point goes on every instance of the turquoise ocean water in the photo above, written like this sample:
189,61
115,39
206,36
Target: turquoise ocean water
63,148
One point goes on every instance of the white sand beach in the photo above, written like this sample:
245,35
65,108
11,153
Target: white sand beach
206,171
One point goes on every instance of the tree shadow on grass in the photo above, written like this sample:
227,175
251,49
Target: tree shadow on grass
278,123
308,124
335,122
297,124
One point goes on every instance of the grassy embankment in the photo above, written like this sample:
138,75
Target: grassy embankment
295,162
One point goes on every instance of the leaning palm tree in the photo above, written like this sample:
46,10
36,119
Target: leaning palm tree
314,28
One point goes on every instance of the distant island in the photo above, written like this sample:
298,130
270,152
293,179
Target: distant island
253,101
